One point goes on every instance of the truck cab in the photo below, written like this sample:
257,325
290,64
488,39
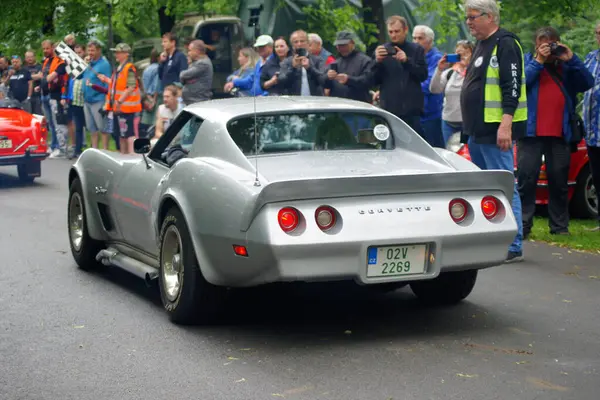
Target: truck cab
224,37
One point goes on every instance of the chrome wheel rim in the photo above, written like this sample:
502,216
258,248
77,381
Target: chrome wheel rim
76,221
172,263
591,194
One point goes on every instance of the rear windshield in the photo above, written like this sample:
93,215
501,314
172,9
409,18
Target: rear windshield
311,132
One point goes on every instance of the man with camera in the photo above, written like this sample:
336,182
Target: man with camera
349,76
302,73
554,76
399,70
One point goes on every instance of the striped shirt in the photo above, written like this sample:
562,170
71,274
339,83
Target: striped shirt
591,102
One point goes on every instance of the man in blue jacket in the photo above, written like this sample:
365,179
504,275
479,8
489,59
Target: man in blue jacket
431,120
554,75
93,99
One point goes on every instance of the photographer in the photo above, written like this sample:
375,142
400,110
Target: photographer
399,70
554,76
349,76
301,74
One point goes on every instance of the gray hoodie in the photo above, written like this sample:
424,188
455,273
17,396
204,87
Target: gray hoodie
197,81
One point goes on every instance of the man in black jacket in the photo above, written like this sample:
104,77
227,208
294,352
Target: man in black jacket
493,99
399,70
349,76
302,73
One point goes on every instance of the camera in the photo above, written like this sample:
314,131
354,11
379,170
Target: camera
390,49
557,50
453,58
301,52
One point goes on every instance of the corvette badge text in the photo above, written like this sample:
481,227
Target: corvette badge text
395,209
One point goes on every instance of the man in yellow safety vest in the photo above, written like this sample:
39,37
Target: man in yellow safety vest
494,99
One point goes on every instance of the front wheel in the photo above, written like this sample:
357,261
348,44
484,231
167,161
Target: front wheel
448,288
83,247
187,297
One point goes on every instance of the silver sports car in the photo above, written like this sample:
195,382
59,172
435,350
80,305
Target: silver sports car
238,193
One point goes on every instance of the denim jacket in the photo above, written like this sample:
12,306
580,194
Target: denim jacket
591,101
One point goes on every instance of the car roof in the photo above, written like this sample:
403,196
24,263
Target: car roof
225,109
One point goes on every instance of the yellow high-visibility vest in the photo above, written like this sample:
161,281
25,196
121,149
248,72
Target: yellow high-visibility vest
492,111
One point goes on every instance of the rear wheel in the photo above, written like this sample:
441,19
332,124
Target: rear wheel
29,171
448,288
584,203
187,297
83,247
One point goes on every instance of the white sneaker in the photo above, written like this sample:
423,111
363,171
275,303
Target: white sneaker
55,153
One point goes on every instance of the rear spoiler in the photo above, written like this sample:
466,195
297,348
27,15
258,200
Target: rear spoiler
308,189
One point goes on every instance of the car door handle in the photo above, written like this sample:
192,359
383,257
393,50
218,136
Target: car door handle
100,190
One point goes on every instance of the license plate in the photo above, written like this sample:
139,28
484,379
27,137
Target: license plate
5,144
396,260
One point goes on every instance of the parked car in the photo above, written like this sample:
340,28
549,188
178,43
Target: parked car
583,196
303,189
22,140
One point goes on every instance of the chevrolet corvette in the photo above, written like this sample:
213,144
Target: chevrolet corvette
244,192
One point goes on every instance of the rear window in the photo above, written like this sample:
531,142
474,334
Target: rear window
279,133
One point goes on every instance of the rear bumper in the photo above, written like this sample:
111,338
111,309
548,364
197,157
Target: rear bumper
22,158
348,261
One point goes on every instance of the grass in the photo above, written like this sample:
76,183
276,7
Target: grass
579,239
88,141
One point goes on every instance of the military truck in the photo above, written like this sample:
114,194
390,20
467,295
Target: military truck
140,51
223,35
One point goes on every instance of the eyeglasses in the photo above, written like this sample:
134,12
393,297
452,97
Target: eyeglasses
474,17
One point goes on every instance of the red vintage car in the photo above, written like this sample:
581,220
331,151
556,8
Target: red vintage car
22,140
583,196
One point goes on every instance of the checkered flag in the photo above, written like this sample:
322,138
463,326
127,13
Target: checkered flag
75,64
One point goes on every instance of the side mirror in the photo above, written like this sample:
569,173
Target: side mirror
141,145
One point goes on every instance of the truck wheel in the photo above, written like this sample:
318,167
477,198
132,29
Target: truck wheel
448,288
83,247
584,203
187,297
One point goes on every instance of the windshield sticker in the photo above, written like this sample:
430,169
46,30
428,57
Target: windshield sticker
381,132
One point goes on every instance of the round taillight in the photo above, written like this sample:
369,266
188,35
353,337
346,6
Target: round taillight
288,219
325,217
489,206
458,210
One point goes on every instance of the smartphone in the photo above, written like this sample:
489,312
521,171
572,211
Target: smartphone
333,66
390,49
453,58
302,52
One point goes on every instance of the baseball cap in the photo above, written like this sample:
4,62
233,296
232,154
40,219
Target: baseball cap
343,37
263,40
122,47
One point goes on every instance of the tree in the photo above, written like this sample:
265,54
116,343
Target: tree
575,19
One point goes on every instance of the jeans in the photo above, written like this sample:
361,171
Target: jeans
432,132
50,120
79,120
558,161
489,156
450,128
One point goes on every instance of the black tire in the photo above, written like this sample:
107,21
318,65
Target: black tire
85,253
447,289
198,301
580,206
23,176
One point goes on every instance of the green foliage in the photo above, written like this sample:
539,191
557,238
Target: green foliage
327,17
574,19
22,22
449,15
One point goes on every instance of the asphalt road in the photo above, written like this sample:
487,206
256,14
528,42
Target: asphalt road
528,331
